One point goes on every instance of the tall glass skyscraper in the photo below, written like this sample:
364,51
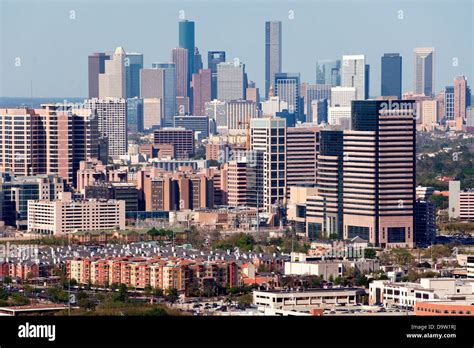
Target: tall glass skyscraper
287,87
272,52
214,58
133,64
186,40
169,92
135,115
391,75
328,72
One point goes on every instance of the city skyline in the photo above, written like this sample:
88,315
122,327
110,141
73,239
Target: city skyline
248,44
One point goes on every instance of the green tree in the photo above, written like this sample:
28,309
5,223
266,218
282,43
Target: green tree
157,292
172,295
245,300
121,295
369,253
57,295
3,294
19,300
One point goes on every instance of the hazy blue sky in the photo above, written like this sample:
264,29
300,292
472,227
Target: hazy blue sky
53,48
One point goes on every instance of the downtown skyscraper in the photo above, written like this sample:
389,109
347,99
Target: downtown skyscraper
328,72
231,82
287,88
391,75
96,66
213,59
133,65
273,52
168,91
354,72
462,96
112,83
424,71
179,56
187,41
201,91
366,177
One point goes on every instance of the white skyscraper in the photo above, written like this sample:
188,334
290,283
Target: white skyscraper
339,113
268,137
112,83
342,96
424,70
353,74
112,116
273,105
230,81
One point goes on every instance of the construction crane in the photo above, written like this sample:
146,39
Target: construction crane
247,133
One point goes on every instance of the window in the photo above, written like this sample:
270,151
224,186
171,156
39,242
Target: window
396,234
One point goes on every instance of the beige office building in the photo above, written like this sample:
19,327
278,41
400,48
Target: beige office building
61,216
112,83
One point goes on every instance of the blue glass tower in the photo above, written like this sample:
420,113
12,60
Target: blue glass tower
391,75
133,64
186,40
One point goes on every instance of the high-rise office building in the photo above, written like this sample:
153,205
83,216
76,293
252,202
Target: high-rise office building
461,98
302,145
449,103
152,113
179,57
287,87
134,115
112,122
201,91
273,52
216,110
182,139
366,177
425,223
231,81
324,211
354,74
17,191
213,59
272,105
202,126
50,140
391,75
112,83
328,72
197,60
424,71
133,65
186,40
312,92
268,137
339,111
168,95
239,113
96,66
379,172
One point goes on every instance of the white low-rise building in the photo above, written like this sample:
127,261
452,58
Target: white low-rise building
407,294
66,215
305,300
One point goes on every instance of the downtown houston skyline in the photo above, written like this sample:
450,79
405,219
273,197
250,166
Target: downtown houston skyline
85,29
